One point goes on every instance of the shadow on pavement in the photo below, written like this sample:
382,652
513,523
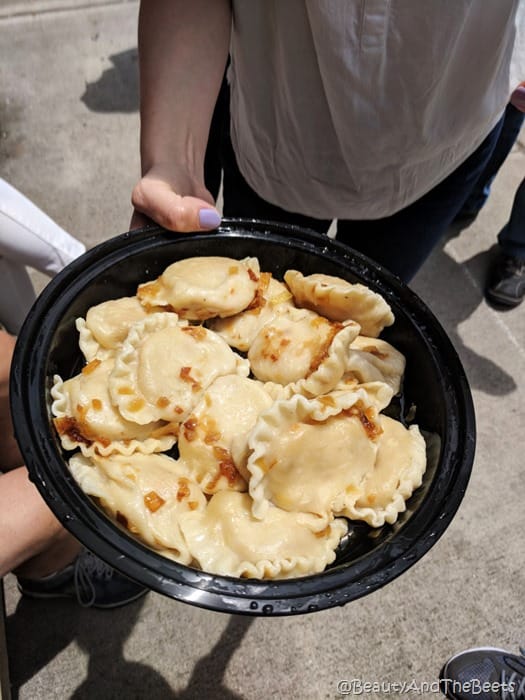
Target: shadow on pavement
207,678
38,632
117,89
453,298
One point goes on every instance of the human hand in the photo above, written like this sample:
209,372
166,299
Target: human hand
518,97
174,200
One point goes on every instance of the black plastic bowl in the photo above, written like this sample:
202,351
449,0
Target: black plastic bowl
435,383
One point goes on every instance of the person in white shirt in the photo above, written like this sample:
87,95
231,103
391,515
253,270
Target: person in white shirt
379,115
28,238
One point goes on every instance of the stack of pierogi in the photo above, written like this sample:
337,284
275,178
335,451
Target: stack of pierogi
235,422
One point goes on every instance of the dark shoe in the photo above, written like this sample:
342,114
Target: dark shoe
506,284
88,579
484,673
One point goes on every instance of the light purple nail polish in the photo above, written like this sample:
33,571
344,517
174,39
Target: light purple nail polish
209,218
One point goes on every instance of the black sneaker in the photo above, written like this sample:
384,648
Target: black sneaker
506,284
88,579
484,673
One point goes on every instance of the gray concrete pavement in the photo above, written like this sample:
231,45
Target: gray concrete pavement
69,140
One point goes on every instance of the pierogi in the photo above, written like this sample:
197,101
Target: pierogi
204,287
340,300
223,417
165,365
85,417
226,539
312,455
233,422
106,326
147,496
240,330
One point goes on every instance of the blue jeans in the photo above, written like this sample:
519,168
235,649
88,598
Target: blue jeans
512,236
510,129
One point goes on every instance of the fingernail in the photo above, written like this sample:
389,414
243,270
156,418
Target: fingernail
518,98
209,218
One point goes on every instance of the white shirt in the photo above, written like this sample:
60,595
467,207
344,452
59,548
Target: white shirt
355,108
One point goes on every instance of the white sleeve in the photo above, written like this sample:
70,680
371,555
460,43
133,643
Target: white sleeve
29,237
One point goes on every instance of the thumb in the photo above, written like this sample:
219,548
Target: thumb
157,200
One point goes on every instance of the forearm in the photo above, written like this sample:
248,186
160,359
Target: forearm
183,48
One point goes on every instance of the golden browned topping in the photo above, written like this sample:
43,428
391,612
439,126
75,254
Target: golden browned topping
91,366
184,489
162,402
281,298
367,417
148,290
212,433
197,332
258,300
136,405
153,501
252,275
274,344
77,429
208,425
73,429
96,404
227,467
323,533
324,348
375,351
185,375
190,428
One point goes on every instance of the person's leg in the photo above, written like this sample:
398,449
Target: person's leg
33,544
10,456
506,279
17,294
403,241
30,536
46,559
511,239
511,127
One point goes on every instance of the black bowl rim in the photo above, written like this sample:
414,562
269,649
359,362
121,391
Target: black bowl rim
336,586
